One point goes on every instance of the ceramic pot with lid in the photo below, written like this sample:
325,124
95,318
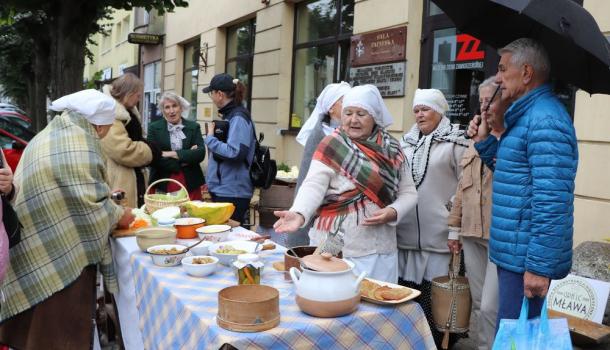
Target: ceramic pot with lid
327,287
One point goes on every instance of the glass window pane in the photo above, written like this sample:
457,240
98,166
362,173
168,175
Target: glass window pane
433,10
191,71
240,69
313,70
157,84
316,20
239,40
347,16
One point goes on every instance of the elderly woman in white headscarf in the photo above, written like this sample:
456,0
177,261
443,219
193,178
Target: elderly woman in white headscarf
357,188
63,202
434,148
182,148
324,119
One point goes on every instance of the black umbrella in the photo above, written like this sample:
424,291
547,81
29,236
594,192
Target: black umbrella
579,52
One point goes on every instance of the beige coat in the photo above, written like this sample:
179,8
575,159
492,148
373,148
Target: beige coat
471,212
123,154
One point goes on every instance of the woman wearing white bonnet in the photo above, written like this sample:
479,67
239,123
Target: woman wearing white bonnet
357,188
434,148
324,119
64,205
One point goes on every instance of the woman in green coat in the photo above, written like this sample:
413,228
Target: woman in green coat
182,146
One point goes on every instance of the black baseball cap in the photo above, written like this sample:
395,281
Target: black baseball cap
220,82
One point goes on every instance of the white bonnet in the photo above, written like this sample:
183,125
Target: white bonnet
98,108
432,98
368,98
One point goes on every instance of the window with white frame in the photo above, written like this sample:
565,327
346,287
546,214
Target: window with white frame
190,76
152,92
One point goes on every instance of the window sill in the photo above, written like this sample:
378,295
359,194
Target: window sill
289,132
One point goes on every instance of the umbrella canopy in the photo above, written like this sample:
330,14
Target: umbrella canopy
579,52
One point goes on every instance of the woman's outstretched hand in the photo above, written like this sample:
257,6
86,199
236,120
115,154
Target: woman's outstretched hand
289,221
381,216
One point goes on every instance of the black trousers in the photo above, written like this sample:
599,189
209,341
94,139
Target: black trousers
241,206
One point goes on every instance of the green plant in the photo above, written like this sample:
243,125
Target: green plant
284,167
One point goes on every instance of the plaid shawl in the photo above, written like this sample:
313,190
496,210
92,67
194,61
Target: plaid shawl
417,147
63,202
373,165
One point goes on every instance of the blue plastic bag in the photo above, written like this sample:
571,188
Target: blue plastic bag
535,334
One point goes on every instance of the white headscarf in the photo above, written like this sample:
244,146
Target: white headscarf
98,108
331,94
368,98
432,98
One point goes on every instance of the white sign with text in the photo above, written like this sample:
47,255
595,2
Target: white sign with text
580,297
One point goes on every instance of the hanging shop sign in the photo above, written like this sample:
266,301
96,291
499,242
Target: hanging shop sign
389,78
383,46
144,39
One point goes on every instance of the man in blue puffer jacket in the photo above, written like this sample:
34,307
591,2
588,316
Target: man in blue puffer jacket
533,186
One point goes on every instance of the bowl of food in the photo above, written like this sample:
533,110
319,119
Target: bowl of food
227,252
199,265
152,236
167,254
214,233
186,227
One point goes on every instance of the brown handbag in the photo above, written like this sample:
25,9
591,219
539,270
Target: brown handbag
451,301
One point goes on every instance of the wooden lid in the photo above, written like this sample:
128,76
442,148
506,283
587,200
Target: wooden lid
325,262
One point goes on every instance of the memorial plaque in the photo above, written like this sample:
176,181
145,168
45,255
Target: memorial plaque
378,47
389,78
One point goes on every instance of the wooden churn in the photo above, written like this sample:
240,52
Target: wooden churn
451,301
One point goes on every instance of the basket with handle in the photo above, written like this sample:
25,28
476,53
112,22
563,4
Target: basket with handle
153,204
450,296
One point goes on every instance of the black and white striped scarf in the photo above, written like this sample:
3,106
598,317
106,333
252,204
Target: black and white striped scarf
416,146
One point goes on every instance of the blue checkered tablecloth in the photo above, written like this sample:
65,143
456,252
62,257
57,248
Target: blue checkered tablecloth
178,311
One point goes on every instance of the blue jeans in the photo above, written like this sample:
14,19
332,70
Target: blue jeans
510,285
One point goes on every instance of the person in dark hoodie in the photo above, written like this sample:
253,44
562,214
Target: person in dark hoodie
228,174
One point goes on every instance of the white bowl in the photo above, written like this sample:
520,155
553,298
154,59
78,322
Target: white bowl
228,259
199,270
166,259
214,233
201,248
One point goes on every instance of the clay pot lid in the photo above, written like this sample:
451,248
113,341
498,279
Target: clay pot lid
325,262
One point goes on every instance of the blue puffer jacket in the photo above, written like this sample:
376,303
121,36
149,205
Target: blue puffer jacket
533,186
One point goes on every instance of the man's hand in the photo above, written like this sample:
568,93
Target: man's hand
126,219
211,129
534,285
455,246
478,129
381,216
289,221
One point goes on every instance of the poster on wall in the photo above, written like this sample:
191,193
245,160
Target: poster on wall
389,78
457,70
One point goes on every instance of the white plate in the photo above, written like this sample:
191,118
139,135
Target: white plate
414,294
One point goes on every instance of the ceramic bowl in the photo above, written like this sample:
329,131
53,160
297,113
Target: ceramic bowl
199,270
214,233
228,259
186,227
166,259
202,248
148,237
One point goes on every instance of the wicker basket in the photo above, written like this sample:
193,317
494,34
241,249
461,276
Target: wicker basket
153,204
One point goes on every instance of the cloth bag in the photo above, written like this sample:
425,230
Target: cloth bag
535,334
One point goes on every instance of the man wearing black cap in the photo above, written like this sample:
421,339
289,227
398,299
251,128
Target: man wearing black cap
228,174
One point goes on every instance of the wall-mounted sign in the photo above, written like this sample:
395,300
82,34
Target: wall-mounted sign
578,296
389,78
144,39
454,52
378,47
